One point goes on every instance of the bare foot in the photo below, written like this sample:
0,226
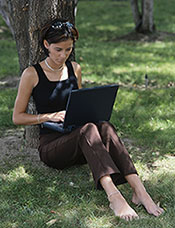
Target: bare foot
147,202
121,208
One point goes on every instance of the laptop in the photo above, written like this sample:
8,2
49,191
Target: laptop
85,105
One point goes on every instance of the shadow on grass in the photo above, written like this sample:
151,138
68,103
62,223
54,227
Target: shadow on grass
147,117
33,195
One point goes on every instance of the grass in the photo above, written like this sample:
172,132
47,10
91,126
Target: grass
147,117
8,57
7,99
33,195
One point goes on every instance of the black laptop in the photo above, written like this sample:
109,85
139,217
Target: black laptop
86,105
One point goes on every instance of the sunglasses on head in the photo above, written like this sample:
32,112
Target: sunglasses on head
60,25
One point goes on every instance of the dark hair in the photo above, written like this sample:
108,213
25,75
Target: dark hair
57,31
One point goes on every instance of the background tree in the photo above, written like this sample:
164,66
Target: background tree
25,18
143,15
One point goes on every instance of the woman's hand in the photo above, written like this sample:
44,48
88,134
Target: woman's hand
57,116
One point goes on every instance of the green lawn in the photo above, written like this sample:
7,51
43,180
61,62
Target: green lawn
35,196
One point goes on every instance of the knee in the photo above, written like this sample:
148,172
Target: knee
106,126
89,127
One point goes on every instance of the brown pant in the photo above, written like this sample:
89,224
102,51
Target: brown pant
95,144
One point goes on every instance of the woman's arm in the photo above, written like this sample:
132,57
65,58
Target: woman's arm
77,71
29,80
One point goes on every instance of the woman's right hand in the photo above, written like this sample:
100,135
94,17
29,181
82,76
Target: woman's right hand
57,116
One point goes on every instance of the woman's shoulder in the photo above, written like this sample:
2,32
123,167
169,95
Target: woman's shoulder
75,64
77,71
76,67
29,74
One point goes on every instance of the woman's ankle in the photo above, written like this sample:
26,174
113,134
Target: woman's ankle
136,184
108,185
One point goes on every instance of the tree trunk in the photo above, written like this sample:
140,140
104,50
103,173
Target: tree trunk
25,19
143,17
147,19
5,12
136,14
76,6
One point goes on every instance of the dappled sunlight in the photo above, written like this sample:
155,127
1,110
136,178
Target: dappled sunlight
51,189
7,98
4,109
17,174
162,181
34,195
113,27
143,170
157,124
8,58
11,224
109,28
71,214
147,117
102,26
96,222
128,66
165,165
161,166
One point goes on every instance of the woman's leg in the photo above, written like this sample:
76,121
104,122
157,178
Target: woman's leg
102,166
117,202
99,159
104,158
61,151
117,151
140,195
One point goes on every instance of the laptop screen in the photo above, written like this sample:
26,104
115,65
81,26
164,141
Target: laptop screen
90,105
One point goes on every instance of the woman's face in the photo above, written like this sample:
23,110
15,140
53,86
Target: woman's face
59,52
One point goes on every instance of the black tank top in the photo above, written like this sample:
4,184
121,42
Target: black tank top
52,96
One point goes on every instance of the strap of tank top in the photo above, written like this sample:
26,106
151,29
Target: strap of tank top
41,73
39,70
70,70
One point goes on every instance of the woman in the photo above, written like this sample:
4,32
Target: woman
50,82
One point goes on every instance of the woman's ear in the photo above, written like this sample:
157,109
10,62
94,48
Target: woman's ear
46,44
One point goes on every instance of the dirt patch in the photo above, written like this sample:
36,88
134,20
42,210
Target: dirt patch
9,82
151,37
12,146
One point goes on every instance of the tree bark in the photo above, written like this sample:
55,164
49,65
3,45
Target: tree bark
136,13
143,17
147,21
5,12
76,6
25,18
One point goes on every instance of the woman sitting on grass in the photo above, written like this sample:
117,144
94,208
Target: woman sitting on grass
50,82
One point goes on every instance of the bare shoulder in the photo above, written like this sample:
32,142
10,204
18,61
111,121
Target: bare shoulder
29,75
77,70
76,66
29,72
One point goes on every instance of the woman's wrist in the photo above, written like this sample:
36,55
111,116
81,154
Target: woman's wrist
38,118
42,118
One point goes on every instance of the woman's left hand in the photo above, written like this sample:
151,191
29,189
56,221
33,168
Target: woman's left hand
56,116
